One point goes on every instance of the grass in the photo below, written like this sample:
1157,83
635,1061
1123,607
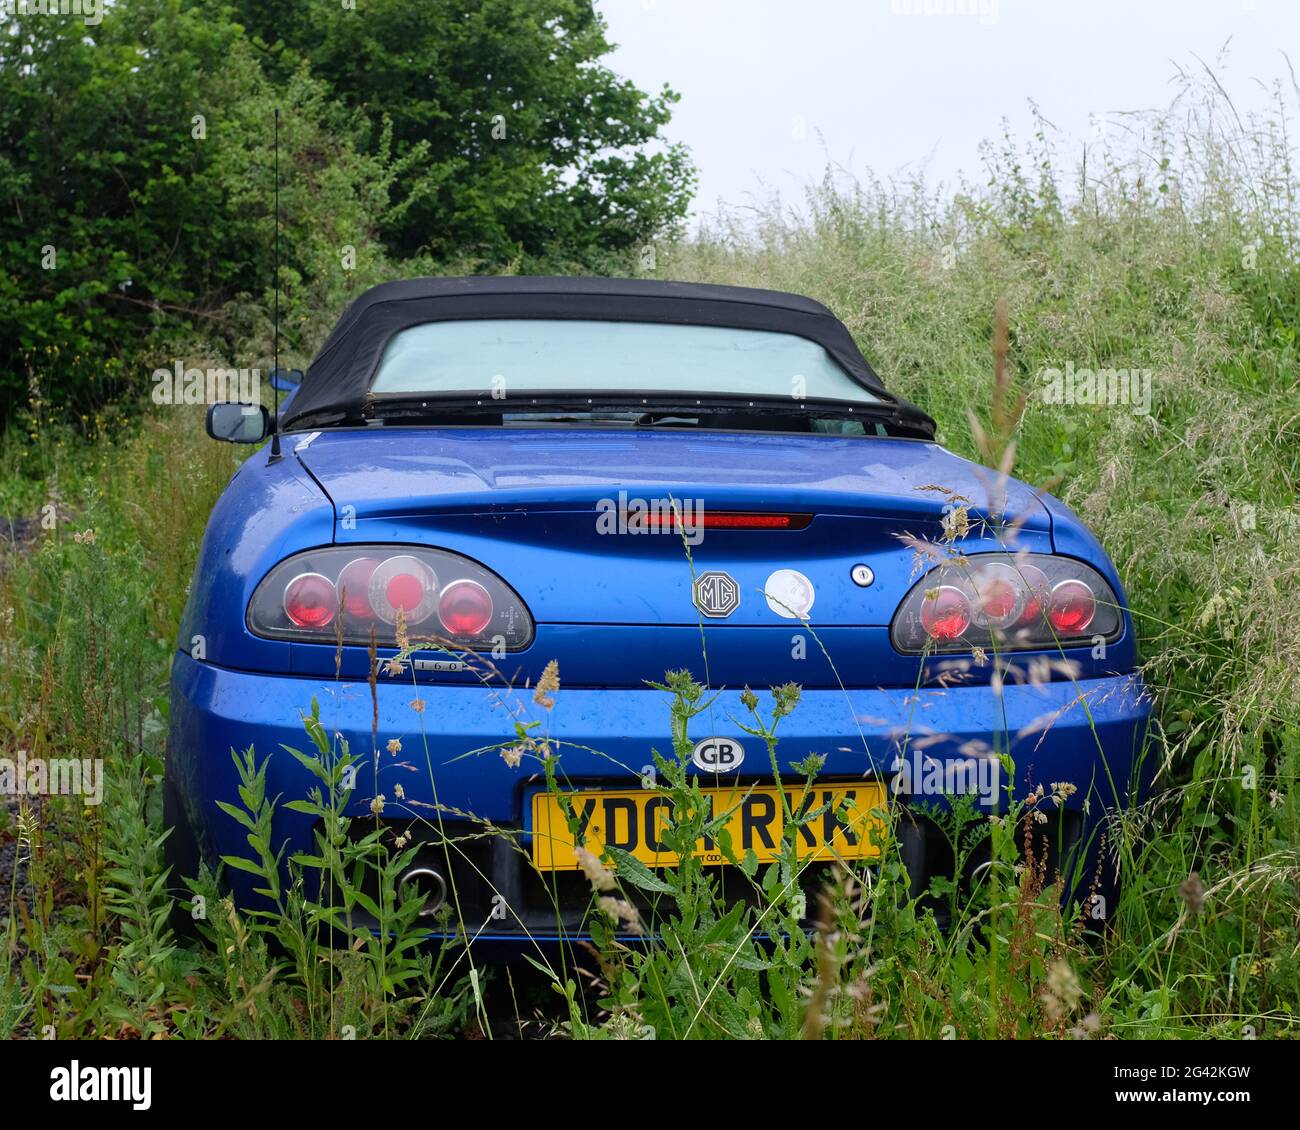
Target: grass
1176,256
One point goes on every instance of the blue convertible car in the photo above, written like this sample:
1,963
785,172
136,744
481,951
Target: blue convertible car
604,480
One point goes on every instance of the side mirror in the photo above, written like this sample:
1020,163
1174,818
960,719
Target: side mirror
238,423
286,380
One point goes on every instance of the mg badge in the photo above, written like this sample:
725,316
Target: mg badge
716,594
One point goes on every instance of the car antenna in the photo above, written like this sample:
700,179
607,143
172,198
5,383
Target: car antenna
275,322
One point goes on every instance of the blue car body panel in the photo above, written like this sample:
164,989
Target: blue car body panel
614,608
1090,733
615,611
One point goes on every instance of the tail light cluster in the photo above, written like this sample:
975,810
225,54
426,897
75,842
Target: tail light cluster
1006,601
312,595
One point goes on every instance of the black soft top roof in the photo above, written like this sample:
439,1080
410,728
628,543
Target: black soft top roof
336,387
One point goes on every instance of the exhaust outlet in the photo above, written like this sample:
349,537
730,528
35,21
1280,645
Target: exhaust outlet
427,881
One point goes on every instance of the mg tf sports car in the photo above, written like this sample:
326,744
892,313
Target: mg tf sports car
498,510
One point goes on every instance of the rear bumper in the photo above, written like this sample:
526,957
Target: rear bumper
1091,733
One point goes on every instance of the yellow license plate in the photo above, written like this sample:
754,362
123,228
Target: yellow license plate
846,822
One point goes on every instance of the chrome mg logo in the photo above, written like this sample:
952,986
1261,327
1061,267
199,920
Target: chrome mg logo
718,755
716,594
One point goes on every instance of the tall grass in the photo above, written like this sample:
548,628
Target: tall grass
1173,250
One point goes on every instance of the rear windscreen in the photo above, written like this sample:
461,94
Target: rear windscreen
508,356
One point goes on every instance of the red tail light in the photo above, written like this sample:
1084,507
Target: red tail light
310,600
1006,602
354,586
403,583
946,614
442,595
1039,591
1072,607
1001,595
465,608
405,591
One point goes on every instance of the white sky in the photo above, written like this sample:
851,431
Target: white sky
893,91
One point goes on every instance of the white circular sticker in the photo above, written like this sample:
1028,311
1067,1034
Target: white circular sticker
718,755
790,594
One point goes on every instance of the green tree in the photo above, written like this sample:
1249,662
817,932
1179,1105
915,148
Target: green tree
136,175
521,144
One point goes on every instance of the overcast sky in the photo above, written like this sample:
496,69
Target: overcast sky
772,89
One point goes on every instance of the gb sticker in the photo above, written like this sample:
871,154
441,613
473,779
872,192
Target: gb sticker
718,755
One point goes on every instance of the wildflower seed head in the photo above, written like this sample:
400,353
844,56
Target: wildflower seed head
956,523
786,699
547,685
810,766
620,910
600,876
1192,891
1061,993
1086,1027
